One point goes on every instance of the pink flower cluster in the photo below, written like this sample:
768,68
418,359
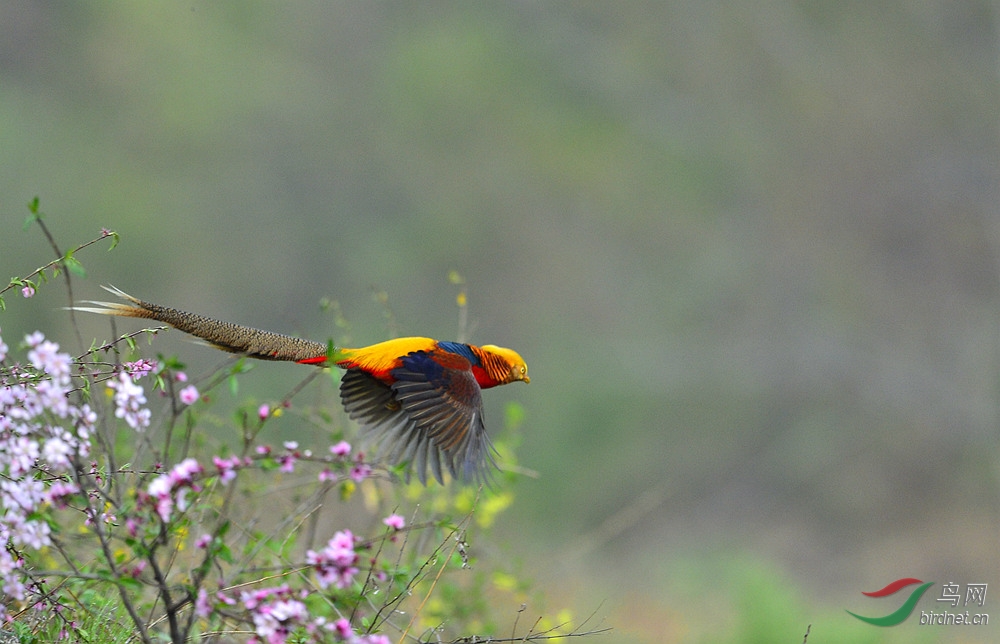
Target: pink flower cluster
169,490
345,632
139,368
290,456
336,563
45,441
359,471
280,612
41,431
130,400
227,467
276,612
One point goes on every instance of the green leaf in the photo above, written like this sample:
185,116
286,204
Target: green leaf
223,552
131,583
172,363
35,213
240,366
74,266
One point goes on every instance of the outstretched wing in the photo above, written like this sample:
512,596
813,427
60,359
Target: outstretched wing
384,423
430,416
438,392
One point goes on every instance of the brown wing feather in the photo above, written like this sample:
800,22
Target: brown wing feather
387,425
446,405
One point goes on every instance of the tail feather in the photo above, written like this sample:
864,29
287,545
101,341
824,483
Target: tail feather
235,338
134,310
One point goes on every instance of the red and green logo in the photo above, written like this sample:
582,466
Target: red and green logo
900,614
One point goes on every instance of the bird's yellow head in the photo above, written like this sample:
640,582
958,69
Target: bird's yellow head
514,366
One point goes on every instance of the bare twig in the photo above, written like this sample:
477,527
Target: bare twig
378,620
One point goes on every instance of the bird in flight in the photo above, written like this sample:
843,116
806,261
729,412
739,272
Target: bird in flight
419,399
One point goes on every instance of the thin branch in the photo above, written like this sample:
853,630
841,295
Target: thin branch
457,535
540,637
377,620
109,558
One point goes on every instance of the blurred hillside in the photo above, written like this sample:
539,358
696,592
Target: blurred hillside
749,250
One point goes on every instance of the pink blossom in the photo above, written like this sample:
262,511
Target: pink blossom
335,564
170,490
184,471
189,395
22,453
395,521
289,458
276,613
129,401
45,355
28,291
9,567
181,498
375,639
35,534
263,411
139,368
343,628
160,491
24,494
57,452
360,472
202,608
226,467
59,491
341,449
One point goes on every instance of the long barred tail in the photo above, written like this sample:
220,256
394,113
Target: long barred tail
235,338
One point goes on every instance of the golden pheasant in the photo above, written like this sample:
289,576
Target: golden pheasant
418,398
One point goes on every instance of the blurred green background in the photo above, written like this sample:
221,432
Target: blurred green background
750,251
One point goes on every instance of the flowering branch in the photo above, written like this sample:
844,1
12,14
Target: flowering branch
65,498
